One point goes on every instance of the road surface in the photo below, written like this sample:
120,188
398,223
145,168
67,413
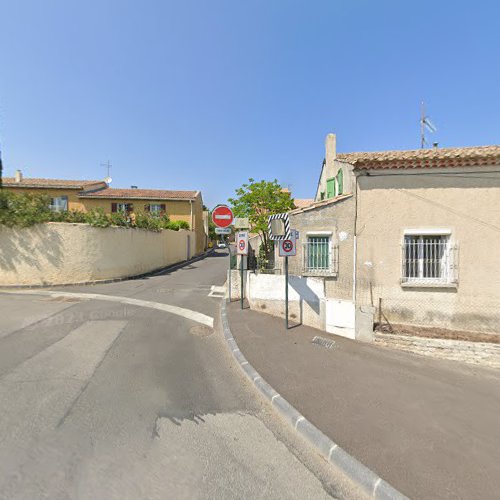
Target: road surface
125,391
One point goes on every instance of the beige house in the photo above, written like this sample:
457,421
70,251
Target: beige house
411,235
86,195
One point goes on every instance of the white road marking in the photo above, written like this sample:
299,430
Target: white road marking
331,451
40,391
299,420
217,291
179,311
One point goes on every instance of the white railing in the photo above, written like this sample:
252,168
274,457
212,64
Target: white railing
429,260
320,257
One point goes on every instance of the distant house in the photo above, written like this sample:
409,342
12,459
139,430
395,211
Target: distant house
87,195
412,234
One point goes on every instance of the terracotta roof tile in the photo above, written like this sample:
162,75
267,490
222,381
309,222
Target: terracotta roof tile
140,194
425,158
302,203
321,203
32,182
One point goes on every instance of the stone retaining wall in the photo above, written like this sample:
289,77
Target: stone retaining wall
479,353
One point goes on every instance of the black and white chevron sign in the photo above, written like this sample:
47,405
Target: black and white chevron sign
286,221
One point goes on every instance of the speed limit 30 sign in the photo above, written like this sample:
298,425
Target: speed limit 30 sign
288,247
242,243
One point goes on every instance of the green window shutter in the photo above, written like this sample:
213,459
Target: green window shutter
340,181
330,188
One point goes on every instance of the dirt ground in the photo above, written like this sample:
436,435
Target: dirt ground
438,333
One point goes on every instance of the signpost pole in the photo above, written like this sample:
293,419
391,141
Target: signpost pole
230,277
286,292
241,267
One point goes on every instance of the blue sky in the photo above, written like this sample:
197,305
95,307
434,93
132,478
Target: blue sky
203,94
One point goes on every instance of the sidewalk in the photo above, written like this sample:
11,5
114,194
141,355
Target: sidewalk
430,428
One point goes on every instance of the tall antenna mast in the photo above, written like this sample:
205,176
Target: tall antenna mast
422,125
425,123
108,167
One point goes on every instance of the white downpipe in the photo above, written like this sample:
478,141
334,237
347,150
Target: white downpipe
354,259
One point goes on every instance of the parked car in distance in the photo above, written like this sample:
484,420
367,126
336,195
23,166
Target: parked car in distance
221,244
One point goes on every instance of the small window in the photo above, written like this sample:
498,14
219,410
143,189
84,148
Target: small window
59,204
317,253
125,208
428,258
322,195
157,208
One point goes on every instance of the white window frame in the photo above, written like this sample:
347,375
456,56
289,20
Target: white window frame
157,208
122,207
59,203
447,261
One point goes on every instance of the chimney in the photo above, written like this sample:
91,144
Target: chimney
19,176
330,148
435,145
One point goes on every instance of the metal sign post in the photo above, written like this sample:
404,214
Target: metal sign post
288,248
286,292
242,250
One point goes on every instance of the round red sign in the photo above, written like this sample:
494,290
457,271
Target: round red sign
241,244
287,246
222,216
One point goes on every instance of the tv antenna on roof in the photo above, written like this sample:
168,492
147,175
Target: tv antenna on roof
425,123
108,167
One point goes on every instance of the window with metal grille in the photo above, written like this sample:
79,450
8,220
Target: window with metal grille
429,258
319,255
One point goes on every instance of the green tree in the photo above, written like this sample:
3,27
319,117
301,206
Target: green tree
259,200
211,228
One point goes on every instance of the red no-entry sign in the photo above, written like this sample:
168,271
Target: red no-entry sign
222,216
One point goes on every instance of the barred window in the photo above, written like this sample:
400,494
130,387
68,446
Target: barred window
428,258
320,257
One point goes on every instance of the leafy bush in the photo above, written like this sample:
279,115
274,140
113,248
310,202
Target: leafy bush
24,210
178,224
97,218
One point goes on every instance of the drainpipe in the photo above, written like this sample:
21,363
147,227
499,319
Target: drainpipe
355,249
191,207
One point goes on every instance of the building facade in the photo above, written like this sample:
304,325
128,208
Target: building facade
88,195
409,235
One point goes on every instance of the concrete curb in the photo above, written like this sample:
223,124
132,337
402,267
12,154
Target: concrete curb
369,482
113,280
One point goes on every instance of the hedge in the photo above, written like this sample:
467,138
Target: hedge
26,209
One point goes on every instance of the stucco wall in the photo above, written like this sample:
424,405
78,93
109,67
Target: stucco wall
339,219
266,293
467,205
57,253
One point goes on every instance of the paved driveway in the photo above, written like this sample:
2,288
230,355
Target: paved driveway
103,398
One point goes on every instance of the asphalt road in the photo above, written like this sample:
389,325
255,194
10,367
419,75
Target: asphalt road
130,394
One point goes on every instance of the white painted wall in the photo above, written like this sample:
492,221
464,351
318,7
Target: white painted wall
59,253
266,293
